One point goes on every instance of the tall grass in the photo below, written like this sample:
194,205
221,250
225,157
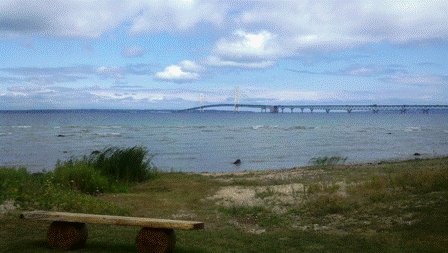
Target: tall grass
40,191
81,176
110,170
123,164
65,188
327,160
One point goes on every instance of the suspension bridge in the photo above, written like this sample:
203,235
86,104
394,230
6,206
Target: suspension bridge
325,108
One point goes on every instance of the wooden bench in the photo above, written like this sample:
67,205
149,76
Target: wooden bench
69,231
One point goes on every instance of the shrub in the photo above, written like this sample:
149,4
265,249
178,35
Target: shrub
327,161
80,176
123,164
39,191
13,182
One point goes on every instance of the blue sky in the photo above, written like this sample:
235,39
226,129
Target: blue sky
167,54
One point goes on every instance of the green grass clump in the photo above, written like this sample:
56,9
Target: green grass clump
324,204
327,160
123,164
80,176
71,185
40,191
14,182
421,181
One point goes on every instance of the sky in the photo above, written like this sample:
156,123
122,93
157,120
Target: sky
174,54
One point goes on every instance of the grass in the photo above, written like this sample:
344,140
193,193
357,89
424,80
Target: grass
327,160
38,191
65,188
387,207
123,165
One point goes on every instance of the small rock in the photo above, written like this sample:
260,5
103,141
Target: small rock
237,162
417,154
61,135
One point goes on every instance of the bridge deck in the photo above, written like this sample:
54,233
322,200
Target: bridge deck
275,108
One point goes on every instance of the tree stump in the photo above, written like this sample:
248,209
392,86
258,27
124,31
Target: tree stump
67,235
152,240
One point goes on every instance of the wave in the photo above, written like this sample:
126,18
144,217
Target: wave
287,128
110,127
412,129
21,126
108,134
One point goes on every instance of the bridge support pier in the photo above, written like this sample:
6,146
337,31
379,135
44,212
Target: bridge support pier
375,110
327,110
292,109
349,110
311,110
301,109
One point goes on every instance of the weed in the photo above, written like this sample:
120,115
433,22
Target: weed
324,204
39,191
123,164
422,181
268,192
326,187
327,160
80,176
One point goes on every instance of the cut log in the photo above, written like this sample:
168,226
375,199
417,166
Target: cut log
152,240
67,235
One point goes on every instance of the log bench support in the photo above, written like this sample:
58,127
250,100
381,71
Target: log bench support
155,240
68,231
67,235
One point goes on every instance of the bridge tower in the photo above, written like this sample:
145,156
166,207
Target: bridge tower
236,99
202,101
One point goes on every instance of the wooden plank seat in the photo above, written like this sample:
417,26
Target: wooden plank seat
69,231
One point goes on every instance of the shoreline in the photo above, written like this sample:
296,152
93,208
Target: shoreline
307,167
273,170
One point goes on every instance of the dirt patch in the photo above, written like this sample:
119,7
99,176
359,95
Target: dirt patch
7,207
258,195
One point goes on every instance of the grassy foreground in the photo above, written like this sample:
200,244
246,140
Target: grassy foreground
387,207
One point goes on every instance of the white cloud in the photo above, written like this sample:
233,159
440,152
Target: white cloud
261,29
218,62
176,15
133,51
417,79
188,65
114,95
248,45
63,18
330,25
74,18
185,71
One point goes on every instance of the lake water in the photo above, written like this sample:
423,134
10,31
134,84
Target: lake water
211,141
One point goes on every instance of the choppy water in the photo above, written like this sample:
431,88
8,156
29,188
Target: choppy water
211,141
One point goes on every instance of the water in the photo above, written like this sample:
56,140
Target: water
211,141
